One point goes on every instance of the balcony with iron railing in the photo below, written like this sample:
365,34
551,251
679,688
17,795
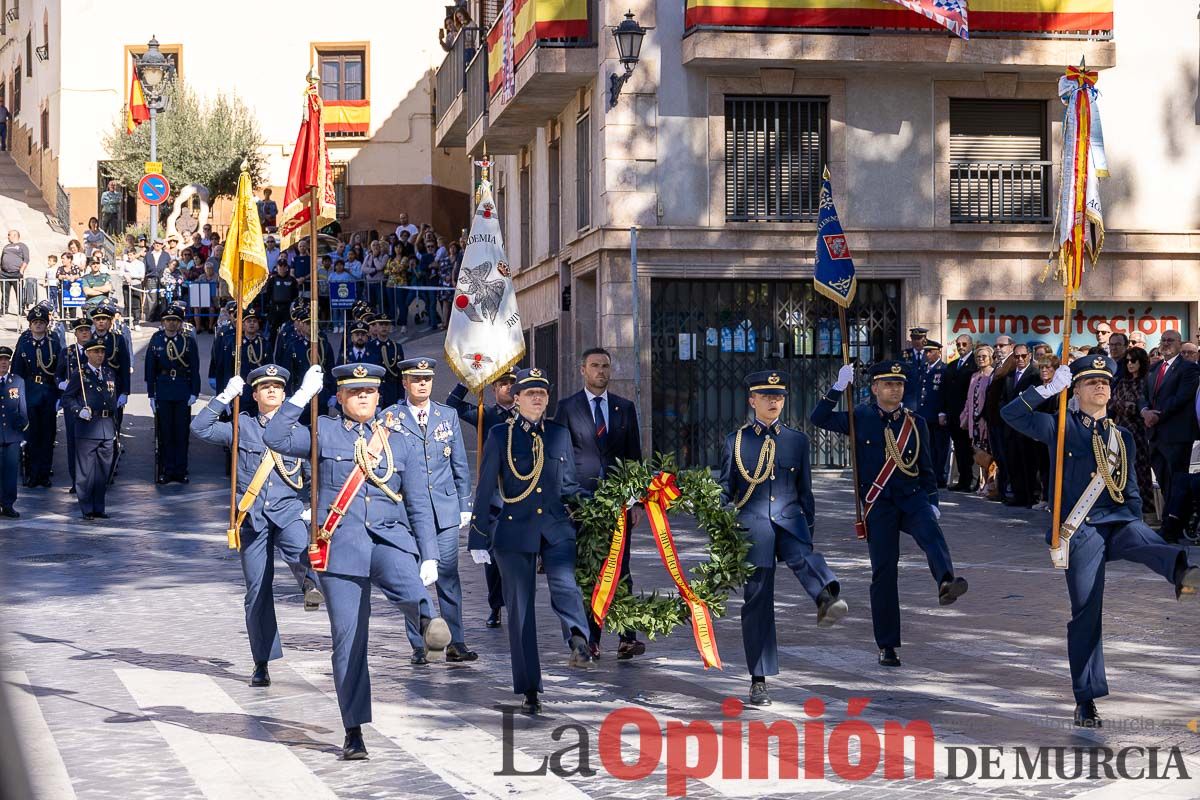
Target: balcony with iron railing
477,99
450,101
1000,192
1018,35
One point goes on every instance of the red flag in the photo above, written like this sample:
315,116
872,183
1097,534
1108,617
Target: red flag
309,168
950,14
136,111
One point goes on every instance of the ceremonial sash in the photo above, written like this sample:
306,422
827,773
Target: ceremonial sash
1083,506
660,494
318,552
247,502
885,474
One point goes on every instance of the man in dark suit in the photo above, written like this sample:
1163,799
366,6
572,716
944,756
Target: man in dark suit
1021,452
603,428
958,382
1168,408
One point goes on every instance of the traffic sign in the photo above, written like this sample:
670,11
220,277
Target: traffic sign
154,168
154,189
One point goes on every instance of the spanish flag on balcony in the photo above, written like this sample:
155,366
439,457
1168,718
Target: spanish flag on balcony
532,20
344,117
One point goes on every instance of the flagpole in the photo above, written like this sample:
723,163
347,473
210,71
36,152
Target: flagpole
314,355
1056,526
479,433
860,524
237,406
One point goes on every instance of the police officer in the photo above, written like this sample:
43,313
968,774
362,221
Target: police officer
296,359
173,384
1102,513
386,537
70,364
765,475
887,434
389,354
14,420
274,520
529,463
931,407
92,401
438,439
36,361
499,412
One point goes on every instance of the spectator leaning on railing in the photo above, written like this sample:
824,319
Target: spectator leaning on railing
14,259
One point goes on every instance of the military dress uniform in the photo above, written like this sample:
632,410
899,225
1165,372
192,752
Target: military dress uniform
361,355
930,405
387,528
531,467
438,440
256,353
14,421
37,361
1112,530
273,521
908,502
118,355
765,474
220,357
389,354
173,383
296,359
70,362
91,401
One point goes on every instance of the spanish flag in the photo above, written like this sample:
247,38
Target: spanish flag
136,112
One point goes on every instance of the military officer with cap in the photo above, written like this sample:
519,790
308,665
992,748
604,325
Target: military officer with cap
256,352
287,330
117,354
893,446
529,464
275,483
69,366
438,440
220,358
358,350
914,362
296,359
14,421
1101,513
765,475
387,353
930,405
497,413
173,384
92,401
36,360
384,533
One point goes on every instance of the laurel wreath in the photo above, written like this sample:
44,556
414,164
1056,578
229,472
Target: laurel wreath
658,614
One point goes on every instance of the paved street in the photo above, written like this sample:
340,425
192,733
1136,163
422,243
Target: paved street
126,664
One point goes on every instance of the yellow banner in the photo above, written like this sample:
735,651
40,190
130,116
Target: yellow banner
244,259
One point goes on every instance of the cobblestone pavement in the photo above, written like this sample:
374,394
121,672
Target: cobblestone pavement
126,665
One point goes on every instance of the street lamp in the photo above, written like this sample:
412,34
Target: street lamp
155,71
628,35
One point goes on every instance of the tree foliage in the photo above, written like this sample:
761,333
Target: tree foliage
200,140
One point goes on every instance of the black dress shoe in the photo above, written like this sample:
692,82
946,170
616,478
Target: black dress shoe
758,694
71,490
458,652
581,654
418,658
89,517
888,657
628,648
1187,583
260,677
830,609
162,480
1086,715
950,590
493,620
101,515
353,749
312,596
183,479
46,483
531,704
10,513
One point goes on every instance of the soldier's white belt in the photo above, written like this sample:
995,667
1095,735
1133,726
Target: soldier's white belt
1083,506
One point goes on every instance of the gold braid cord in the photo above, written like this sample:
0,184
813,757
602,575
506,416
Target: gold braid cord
175,354
535,475
892,450
256,358
1115,485
363,459
284,474
48,369
763,470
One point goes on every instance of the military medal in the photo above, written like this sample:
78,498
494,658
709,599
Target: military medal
446,451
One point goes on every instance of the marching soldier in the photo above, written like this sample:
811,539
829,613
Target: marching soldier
70,364
273,484
173,384
286,331
389,354
118,356
1102,514
36,361
92,401
528,462
438,440
256,352
14,420
296,359
380,528
765,475
499,412
899,491
931,407
220,358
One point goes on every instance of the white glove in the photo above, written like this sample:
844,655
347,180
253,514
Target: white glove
310,386
429,572
306,515
481,556
941,419
937,512
153,406
845,378
1060,381
464,518
191,399
212,382
232,389
62,387
85,414
121,401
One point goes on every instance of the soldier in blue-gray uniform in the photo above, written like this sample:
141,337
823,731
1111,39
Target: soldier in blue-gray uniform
36,360
529,463
438,439
765,475
69,365
1101,514
173,384
386,535
116,350
276,484
256,352
14,420
499,412
358,349
388,353
893,446
295,358
220,357
930,405
92,401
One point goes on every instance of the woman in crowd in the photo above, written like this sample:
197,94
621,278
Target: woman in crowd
171,283
76,255
972,419
93,238
1123,408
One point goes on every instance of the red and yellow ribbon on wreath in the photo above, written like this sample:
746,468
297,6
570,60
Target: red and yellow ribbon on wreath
660,494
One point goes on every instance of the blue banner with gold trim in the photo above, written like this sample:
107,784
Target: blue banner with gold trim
834,272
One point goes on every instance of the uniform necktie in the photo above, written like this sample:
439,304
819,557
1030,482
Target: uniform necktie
421,419
601,429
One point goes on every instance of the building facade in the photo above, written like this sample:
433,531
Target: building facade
944,159
66,67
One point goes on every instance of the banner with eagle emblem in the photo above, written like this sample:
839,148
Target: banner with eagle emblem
483,337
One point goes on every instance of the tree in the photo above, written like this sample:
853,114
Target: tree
199,141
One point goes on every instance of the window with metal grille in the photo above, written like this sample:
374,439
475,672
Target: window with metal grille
1000,170
583,171
337,171
775,150
342,75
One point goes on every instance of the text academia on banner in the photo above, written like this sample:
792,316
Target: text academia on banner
309,168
